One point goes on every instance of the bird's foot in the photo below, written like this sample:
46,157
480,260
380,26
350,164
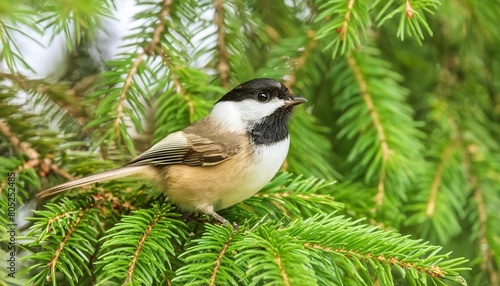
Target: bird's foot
222,220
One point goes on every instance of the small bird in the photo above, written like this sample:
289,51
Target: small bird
221,159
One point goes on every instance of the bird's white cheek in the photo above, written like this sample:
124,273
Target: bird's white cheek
239,116
228,116
253,111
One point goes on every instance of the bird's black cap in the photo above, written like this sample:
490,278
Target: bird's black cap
251,89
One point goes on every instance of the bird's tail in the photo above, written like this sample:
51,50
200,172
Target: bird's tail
105,176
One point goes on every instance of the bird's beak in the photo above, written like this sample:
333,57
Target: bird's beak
294,100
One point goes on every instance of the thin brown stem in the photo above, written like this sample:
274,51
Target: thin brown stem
372,110
379,198
125,88
53,262
436,181
63,96
432,270
218,261
149,50
177,83
160,28
347,18
284,275
133,263
485,250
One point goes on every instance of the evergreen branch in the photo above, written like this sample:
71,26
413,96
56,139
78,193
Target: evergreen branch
53,262
432,270
146,234
440,192
374,119
136,77
486,251
21,147
288,196
436,181
65,234
60,94
219,261
123,93
177,83
347,17
301,60
209,260
33,156
281,267
346,22
160,28
18,145
384,146
392,249
222,62
138,248
269,253
485,248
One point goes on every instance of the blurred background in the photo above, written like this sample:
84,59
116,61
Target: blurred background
403,112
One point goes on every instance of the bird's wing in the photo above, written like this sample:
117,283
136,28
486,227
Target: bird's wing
188,149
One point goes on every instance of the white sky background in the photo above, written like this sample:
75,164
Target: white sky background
48,58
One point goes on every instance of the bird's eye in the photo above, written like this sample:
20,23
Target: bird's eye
262,97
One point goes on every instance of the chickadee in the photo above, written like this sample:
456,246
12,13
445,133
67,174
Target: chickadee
220,160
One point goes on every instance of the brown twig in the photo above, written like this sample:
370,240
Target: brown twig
160,28
219,260
436,181
487,254
21,147
33,156
131,268
384,146
284,275
177,83
60,94
347,18
432,270
148,50
53,262
125,88
379,197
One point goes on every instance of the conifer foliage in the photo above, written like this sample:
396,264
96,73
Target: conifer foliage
393,175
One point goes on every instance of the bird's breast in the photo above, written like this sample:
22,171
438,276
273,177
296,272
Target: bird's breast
266,161
227,183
